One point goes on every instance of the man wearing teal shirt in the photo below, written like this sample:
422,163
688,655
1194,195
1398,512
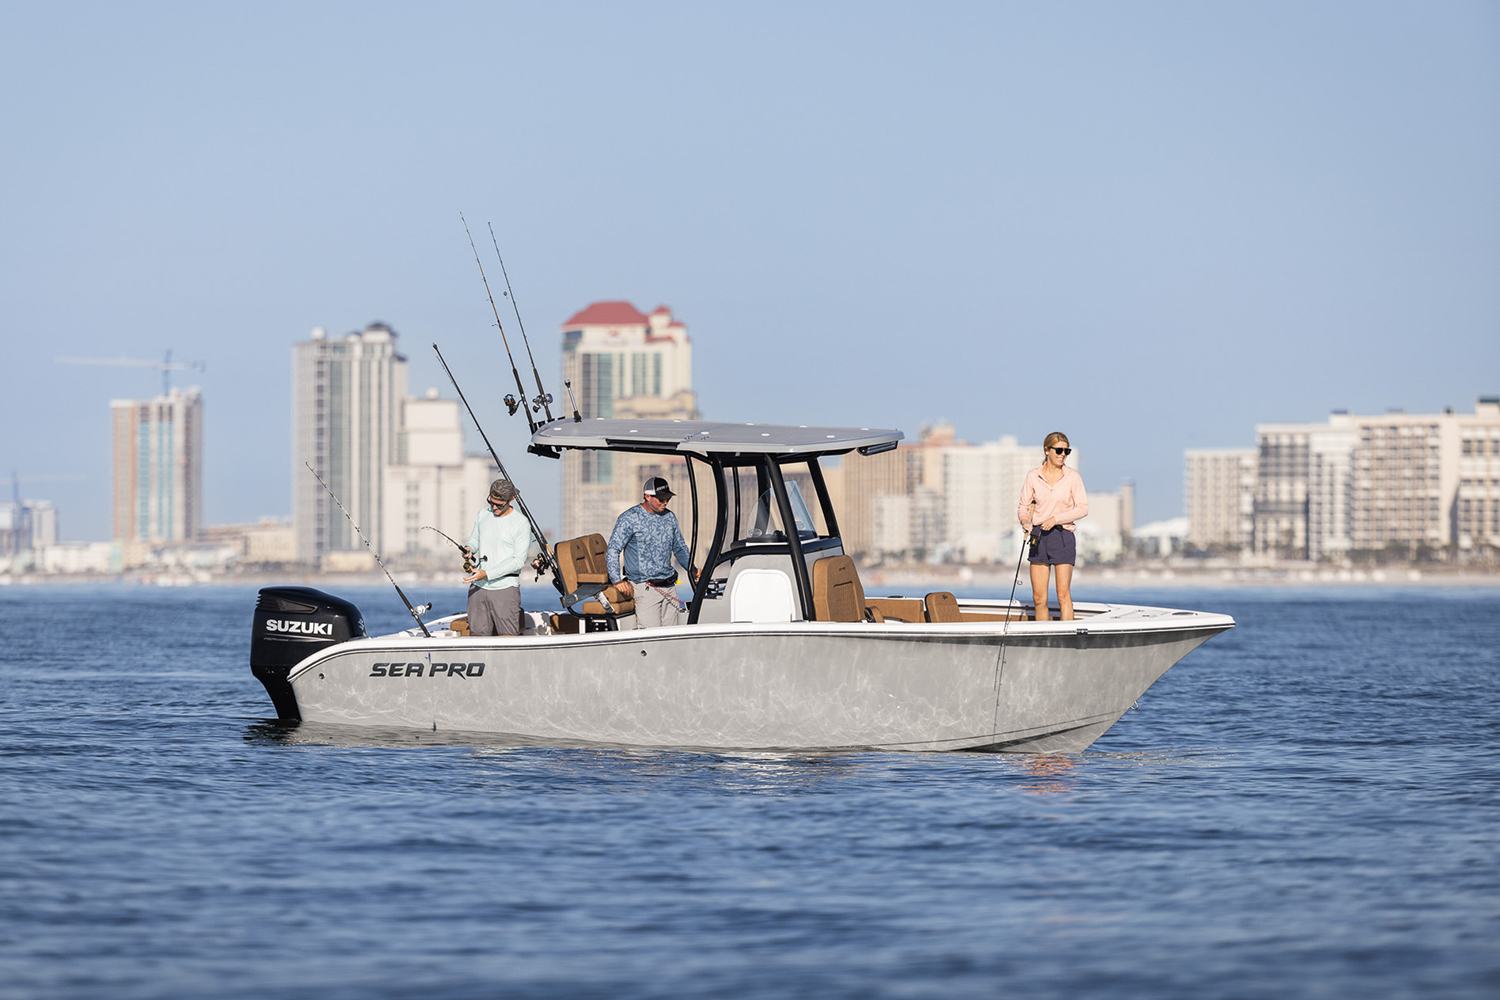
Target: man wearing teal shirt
498,543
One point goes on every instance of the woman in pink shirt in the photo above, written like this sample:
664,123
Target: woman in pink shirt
1052,503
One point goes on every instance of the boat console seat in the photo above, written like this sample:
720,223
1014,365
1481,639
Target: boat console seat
837,594
581,562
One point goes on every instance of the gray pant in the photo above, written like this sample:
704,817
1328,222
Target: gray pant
653,608
495,612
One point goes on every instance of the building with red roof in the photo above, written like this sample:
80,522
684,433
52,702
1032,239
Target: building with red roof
621,362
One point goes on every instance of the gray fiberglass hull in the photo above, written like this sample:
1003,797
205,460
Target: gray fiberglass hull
1023,687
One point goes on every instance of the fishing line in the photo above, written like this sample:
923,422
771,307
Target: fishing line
1005,631
469,564
416,612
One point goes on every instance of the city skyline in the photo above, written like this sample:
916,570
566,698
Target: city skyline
1358,487
555,518
1149,227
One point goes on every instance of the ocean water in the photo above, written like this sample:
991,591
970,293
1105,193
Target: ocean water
1307,806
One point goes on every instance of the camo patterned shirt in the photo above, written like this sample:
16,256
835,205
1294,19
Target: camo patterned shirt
648,541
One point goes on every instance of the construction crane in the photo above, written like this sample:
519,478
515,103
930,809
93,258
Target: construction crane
166,366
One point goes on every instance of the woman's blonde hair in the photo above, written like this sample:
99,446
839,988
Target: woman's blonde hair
1055,437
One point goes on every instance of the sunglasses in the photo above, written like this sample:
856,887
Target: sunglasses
1062,451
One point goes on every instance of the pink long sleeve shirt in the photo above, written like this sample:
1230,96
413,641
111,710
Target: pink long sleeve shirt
1065,501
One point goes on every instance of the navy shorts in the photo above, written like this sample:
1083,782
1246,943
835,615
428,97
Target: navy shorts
1058,547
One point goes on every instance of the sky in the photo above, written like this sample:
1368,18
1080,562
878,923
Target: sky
1149,225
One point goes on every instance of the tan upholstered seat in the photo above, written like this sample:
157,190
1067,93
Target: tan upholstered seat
580,561
837,594
942,606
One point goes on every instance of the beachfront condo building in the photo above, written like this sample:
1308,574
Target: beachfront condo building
432,482
1476,506
1398,484
158,471
981,484
1218,494
623,363
940,499
346,393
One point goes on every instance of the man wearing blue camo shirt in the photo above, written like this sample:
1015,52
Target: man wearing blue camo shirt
648,536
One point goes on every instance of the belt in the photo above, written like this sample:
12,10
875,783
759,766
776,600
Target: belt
666,581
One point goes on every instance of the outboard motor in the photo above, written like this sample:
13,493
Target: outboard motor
291,624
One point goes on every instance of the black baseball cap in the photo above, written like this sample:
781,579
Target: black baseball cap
657,487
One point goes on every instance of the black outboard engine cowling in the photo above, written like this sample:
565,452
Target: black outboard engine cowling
291,624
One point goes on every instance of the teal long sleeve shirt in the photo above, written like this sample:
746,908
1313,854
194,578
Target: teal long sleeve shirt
502,542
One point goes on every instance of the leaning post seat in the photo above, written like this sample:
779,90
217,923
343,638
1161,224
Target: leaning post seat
581,562
837,594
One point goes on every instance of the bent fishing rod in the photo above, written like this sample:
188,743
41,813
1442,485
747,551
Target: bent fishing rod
543,399
416,612
545,559
469,564
512,402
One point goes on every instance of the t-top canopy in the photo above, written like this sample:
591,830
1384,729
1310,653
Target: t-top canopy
702,437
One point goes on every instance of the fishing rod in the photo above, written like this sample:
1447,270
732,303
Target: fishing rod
469,564
510,401
545,559
416,612
543,397
1029,541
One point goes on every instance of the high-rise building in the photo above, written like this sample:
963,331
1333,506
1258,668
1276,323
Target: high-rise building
1330,504
1396,483
433,482
345,418
938,498
1477,503
622,363
1279,510
1405,470
981,484
1103,535
158,470
1219,494
27,526
862,481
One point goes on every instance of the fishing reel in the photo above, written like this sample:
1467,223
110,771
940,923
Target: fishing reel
511,404
545,399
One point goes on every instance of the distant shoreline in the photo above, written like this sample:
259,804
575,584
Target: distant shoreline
1177,577
900,577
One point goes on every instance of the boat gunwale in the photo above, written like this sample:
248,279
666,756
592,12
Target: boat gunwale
1026,634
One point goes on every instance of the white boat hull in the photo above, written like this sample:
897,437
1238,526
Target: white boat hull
802,686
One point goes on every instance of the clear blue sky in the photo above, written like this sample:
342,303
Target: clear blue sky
1151,225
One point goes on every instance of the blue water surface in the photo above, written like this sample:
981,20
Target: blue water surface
1306,806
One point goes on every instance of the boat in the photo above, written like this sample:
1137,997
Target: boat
780,648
